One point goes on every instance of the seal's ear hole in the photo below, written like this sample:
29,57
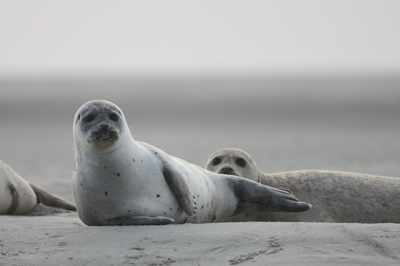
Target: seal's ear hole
241,162
216,161
114,117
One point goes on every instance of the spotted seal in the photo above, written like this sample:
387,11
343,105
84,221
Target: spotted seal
120,181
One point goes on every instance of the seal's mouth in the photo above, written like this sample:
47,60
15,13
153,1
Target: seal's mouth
101,136
227,171
101,140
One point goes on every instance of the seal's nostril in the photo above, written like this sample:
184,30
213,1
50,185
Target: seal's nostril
104,127
226,170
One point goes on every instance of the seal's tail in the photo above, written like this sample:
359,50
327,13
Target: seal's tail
51,200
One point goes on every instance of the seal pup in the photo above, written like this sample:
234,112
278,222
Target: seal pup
337,197
119,181
17,196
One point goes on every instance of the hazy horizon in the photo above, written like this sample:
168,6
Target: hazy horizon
101,38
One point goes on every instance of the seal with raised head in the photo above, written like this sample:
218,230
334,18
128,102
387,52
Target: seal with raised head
339,197
18,196
119,181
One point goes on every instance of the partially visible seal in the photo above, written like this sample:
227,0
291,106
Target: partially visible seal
17,196
119,181
338,197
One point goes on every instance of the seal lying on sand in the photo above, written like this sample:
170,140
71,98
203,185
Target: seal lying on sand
17,196
118,181
338,197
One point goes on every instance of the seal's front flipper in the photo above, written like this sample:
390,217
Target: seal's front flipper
274,199
140,220
179,185
51,200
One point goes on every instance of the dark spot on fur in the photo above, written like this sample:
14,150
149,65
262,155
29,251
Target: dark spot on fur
105,193
155,152
194,212
202,207
198,195
105,167
214,218
185,220
141,161
158,195
128,211
170,209
95,212
117,174
194,218
165,213
134,160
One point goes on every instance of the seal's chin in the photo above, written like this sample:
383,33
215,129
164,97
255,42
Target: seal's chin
102,141
103,144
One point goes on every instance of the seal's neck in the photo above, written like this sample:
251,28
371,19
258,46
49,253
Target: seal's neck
116,154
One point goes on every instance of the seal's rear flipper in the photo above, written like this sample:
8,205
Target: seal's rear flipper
179,185
51,200
140,220
254,194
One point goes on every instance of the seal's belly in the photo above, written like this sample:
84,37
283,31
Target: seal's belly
121,193
102,198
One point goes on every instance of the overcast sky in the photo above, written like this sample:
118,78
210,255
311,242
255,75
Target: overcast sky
45,38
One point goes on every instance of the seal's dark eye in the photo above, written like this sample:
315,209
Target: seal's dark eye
216,161
114,117
88,119
241,162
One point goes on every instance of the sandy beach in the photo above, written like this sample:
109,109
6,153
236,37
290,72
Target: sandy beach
329,124
64,240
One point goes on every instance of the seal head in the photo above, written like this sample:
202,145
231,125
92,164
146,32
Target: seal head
233,162
99,126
